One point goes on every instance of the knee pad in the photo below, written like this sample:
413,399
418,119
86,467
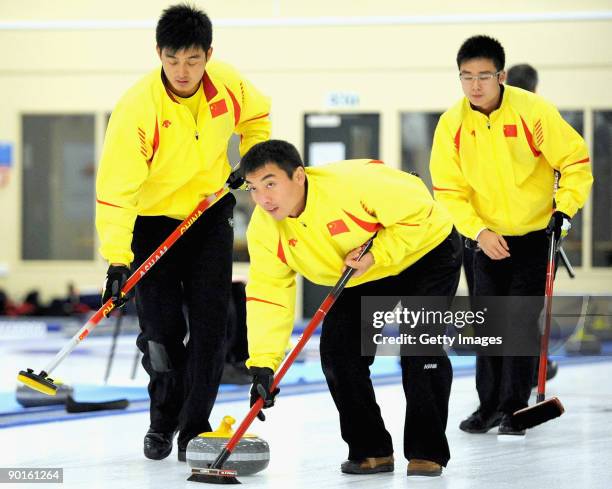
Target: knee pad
158,356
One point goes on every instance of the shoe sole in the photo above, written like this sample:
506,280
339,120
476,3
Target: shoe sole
158,457
424,473
484,430
375,470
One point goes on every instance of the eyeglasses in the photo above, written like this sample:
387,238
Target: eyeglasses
484,77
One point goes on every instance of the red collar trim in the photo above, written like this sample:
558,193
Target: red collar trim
210,91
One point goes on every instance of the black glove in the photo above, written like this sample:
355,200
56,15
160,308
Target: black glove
559,224
116,277
235,180
262,381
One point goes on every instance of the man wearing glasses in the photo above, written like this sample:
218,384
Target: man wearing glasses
492,164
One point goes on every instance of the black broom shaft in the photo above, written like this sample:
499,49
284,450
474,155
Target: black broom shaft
111,355
221,459
135,364
566,263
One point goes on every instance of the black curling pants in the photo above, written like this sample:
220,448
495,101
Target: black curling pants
504,382
426,389
185,295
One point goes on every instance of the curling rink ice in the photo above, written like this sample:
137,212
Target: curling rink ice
105,450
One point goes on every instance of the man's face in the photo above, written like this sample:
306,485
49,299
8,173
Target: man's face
482,90
276,193
184,69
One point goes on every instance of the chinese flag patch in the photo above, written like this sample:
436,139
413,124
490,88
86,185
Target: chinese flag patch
218,108
510,131
337,227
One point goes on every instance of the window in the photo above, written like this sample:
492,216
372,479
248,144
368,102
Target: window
417,137
573,243
58,187
602,188
335,137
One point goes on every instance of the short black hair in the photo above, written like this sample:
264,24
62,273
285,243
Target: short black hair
281,153
183,26
523,76
482,47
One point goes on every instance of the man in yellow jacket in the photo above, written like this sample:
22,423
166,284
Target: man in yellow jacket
492,164
166,150
313,221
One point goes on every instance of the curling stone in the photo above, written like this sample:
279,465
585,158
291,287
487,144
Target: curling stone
250,455
602,328
583,344
28,397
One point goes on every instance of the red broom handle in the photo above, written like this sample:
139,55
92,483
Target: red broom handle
550,278
308,331
142,270
326,305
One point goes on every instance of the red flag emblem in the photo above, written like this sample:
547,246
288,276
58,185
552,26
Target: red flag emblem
510,130
218,108
337,227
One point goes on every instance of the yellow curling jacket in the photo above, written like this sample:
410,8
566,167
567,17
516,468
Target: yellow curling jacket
347,202
496,172
157,160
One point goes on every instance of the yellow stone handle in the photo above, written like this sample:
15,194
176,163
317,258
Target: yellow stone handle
225,427
225,430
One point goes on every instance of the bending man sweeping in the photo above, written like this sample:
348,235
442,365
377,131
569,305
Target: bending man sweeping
313,221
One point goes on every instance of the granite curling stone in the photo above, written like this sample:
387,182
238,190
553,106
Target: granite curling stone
250,455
